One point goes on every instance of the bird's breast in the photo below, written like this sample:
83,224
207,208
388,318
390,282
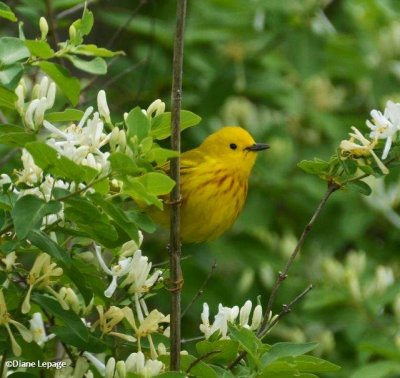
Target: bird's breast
212,201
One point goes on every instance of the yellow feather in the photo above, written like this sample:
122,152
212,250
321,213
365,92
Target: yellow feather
214,179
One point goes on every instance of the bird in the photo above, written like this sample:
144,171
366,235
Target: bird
214,181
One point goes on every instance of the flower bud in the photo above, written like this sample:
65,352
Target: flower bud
110,368
72,33
29,121
245,314
19,104
102,106
51,96
157,107
44,28
43,87
120,369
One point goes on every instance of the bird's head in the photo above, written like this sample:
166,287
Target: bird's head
234,147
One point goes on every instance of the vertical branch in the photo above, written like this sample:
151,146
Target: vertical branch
175,244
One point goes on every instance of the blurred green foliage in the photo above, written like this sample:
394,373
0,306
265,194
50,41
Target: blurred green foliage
297,75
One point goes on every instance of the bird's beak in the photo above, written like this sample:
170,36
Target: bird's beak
257,147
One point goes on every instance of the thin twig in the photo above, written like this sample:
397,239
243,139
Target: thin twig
53,23
192,339
74,9
79,191
126,24
201,358
286,309
175,198
332,187
201,289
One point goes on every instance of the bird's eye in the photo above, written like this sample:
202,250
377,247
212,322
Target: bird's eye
233,146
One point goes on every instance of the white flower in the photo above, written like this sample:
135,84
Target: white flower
136,363
31,174
156,108
122,268
228,315
38,331
102,106
138,277
99,365
365,148
382,127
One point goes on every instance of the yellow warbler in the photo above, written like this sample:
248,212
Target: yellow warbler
214,180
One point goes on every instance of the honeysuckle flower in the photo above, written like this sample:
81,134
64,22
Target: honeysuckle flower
136,363
110,368
41,275
138,277
38,331
118,270
224,316
109,319
6,321
364,148
129,248
227,315
82,143
151,323
102,106
382,128
31,174
99,365
9,261
156,108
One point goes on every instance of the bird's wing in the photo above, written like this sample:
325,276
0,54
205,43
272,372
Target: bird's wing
189,160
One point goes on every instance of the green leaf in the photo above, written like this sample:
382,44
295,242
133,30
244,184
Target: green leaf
96,66
226,350
93,50
124,164
117,215
83,26
199,369
360,187
66,115
381,369
306,364
286,349
15,136
90,220
28,213
171,374
68,318
11,75
40,240
7,98
91,344
161,124
160,155
156,183
6,12
138,124
247,340
51,161
12,50
138,192
314,167
39,48
68,84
